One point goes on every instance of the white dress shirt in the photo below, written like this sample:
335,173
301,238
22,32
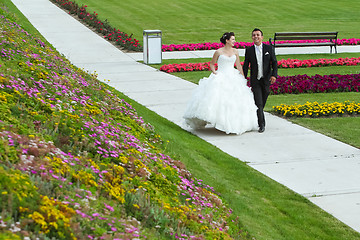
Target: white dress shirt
258,51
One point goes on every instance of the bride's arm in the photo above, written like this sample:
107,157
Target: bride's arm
238,64
213,61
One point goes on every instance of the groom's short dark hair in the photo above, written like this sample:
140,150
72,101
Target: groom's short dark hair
257,29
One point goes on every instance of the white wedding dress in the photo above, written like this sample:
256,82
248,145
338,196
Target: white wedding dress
223,100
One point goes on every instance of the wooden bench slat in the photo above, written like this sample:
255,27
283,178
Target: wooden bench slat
304,37
304,33
282,36
303,44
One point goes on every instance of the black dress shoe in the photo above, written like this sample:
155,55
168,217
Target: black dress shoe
261,129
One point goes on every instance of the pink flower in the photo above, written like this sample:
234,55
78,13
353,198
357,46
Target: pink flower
110,208
208,45
283,63
95,214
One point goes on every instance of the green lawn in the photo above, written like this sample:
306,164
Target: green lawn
340,128
8,6
197,75
194,77
188,21
266,209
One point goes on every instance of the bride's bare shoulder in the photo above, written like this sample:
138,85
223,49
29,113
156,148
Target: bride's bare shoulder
220,51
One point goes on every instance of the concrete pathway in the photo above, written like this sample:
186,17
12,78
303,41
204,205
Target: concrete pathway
320,168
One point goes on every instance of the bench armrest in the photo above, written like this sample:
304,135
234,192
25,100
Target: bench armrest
272,41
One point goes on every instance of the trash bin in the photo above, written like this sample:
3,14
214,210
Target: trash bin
152,46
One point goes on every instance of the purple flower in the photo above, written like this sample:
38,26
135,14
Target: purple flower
110,208
95,214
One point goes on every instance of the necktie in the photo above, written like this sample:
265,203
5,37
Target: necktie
259,61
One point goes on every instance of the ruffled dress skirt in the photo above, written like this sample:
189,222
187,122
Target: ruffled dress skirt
224,101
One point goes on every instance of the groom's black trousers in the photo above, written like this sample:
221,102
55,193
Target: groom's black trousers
261,92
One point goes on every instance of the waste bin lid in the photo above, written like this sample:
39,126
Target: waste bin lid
151,31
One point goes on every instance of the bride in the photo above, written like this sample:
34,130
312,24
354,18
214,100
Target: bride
223,99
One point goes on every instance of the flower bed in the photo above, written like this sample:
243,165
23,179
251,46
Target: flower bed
322,62
110,33
241,45
316,84
284,63
78,162
186,67
293,84
127,42
316,109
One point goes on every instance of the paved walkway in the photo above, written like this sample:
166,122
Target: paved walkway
320,168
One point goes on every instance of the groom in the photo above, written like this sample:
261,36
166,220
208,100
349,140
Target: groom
263,71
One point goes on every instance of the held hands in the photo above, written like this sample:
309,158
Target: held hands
272,79
241,73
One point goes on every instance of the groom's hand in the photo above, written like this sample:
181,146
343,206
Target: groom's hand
272,79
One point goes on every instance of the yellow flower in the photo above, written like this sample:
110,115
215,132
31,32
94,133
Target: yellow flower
86,178
22,209
2,79
39,219
323,109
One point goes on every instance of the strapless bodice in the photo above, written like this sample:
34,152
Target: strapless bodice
226,63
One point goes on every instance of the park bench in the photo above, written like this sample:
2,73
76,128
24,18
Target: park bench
282,36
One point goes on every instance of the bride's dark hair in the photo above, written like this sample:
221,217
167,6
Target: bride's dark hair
226,36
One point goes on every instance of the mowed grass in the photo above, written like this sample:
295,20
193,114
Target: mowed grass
345,129
341,128
8,6
189,21
266,209
194,77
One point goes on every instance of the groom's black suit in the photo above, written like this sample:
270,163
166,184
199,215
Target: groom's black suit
260,88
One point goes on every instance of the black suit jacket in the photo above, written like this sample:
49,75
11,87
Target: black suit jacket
269,64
